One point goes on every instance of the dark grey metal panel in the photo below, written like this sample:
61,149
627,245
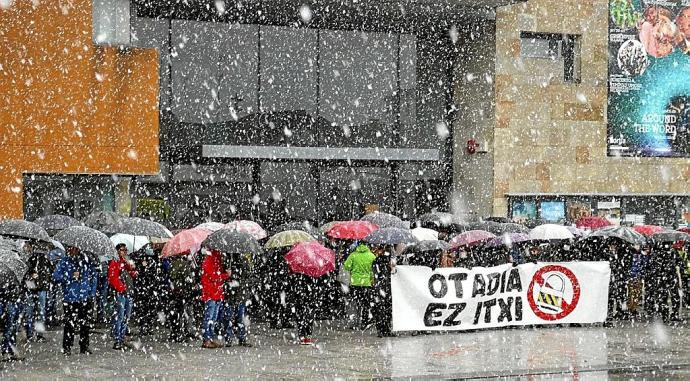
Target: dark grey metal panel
320,153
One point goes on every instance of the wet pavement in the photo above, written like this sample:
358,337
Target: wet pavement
627,350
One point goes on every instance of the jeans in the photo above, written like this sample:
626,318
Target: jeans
8,315
210,318
35,302
123,305
76,315
234,317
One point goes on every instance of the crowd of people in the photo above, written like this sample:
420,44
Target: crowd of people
210,294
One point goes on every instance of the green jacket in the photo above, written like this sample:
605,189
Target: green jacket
359,264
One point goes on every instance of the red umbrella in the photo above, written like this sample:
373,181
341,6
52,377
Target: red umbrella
352,229
185,242
471,238
592,222
684,230
310,258
648,229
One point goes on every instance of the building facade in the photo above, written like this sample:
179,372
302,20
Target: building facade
320,111
550,137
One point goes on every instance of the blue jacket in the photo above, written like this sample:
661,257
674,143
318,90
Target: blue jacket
75,290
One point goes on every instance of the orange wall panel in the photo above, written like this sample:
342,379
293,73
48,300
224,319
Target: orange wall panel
67,106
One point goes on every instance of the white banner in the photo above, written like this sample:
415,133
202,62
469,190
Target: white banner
487,297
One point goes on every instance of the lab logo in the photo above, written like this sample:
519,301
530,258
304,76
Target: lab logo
553,292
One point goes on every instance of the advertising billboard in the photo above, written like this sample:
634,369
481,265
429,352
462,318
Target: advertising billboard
649,78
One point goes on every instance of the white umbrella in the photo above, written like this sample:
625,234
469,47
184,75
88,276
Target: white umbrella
548,232
210,226
133,242
424,234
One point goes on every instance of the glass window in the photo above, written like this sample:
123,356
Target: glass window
524,210
346,191
287,192
358,88
552,211
428,128
214,76
289,85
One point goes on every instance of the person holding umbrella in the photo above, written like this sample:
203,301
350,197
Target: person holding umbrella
236,296
308,264
73,273
213,276
121,275
383,268
11,291
359,263
37,282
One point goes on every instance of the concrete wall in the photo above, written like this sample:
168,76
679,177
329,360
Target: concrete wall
474,99
67,106
550,137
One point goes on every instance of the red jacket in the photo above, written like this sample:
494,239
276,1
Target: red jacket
115,270
212,277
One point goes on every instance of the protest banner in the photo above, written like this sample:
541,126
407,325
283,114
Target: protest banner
488,297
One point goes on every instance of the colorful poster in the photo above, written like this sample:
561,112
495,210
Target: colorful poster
456,299
649,78
524,210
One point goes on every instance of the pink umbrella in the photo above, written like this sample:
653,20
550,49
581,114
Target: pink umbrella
352,229
185,242
648,229
470,238
249,227
592,222
310,258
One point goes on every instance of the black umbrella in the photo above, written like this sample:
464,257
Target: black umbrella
426,247
385,220
7,276
229,241
13,261
101,219
391,236
87,239
624,233
489,226
56,222
138,226
670,236
23,229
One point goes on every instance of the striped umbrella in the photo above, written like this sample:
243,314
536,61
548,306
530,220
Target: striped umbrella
288,238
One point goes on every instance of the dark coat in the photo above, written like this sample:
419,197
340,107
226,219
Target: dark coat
40,265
